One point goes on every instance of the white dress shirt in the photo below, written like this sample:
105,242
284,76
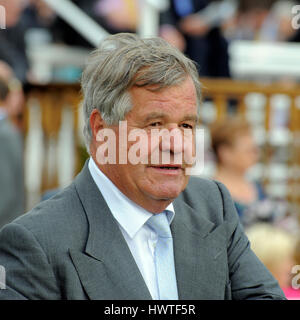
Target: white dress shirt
140,239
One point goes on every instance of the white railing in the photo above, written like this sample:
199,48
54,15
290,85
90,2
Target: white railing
79,20
259,60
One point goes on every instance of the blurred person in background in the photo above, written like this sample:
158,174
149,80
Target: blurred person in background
113,15
118,15
261,20
62,32
37,14
235,153
11,161
276,249
281,16
12,42
194,27
15,100
22,15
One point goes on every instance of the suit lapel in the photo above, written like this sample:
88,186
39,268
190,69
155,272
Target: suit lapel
106,268
197,245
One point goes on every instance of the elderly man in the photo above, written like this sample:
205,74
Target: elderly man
107,235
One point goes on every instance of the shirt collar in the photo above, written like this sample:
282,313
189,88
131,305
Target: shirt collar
129,215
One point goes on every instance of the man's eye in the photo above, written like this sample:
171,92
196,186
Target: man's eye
155,124
187,126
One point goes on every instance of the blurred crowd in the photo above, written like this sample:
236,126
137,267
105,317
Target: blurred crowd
202,29
271,225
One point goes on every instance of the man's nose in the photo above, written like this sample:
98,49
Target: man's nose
172,140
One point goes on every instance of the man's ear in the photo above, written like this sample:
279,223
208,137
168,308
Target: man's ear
96,122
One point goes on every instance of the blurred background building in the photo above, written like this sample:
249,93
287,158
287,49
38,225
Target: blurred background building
247,53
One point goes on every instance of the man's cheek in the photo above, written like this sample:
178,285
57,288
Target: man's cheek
189,148
138,147
153,149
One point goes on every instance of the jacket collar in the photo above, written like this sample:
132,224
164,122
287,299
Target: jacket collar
107,268
118,277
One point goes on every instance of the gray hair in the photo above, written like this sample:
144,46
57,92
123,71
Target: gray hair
123,61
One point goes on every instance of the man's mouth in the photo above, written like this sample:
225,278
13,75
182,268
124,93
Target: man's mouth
169,168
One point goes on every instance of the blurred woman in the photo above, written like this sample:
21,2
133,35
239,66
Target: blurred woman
236,152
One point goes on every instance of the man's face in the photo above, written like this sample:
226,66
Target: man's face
153,183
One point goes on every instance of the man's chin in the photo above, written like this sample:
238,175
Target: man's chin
167,193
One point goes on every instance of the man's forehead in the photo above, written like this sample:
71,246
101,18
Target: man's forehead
184,90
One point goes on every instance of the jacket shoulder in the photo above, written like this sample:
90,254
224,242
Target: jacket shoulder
59,216
211,198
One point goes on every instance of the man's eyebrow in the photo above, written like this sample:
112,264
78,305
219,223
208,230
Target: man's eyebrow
154,115
190,118
157,115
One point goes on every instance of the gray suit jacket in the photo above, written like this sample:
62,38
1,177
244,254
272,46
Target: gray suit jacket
70,247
